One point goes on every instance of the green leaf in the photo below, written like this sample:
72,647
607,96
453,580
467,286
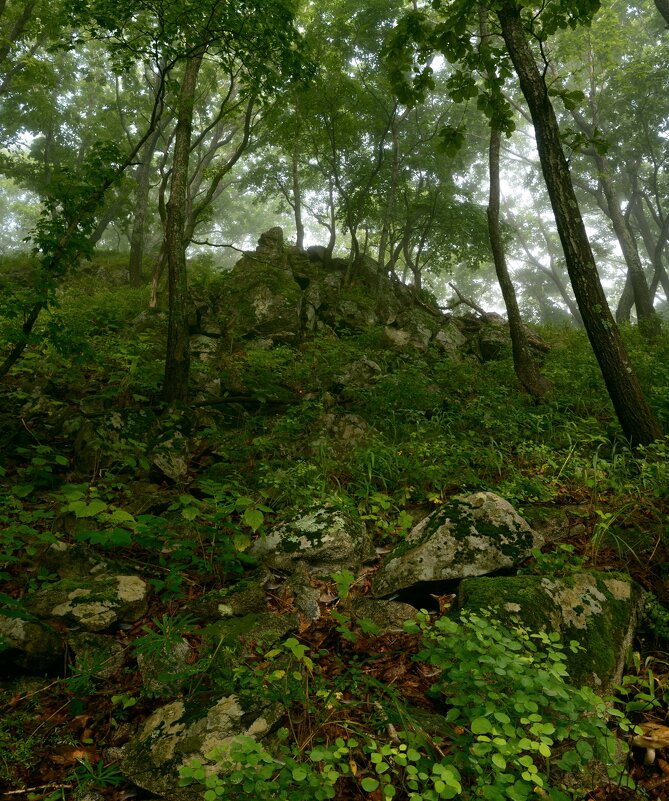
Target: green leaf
369,785
499,761
253,518
481,726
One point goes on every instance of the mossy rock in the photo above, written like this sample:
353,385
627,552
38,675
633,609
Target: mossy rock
597,610
243,634
470,536
245,597
182,731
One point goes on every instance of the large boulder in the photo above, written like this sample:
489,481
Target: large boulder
326,538
470,536
597,610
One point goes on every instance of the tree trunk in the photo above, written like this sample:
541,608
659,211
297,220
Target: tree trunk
177,359
626,301
297,199
143,187
663,7
649,322
636,418
523,362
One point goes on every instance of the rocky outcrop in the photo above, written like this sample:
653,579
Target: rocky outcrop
279,294
471,536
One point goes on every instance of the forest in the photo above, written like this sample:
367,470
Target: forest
334,400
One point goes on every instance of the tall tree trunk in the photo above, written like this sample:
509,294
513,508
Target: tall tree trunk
523,362
177,359
635,415
297,198
626,301
649,322
142,189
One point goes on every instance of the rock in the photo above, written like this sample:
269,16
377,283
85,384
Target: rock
470,536
245,597
242,635
493,338
95,605
96,653
270,246
327,539
396,337
388,616
598,610
164,670
72,561
179,732
450,339
342,432
29,647
361,373
171,456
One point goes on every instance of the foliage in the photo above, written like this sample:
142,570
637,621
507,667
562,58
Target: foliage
507,690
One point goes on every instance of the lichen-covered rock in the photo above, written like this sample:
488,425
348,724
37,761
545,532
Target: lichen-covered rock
326,538
493,338
598,610
178,732
171,456
98,654
94,604
470,536
28,647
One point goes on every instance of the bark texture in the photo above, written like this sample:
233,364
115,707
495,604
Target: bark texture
177,359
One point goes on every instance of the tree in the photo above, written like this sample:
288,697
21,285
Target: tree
256,38
635,416
417,37
523,361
